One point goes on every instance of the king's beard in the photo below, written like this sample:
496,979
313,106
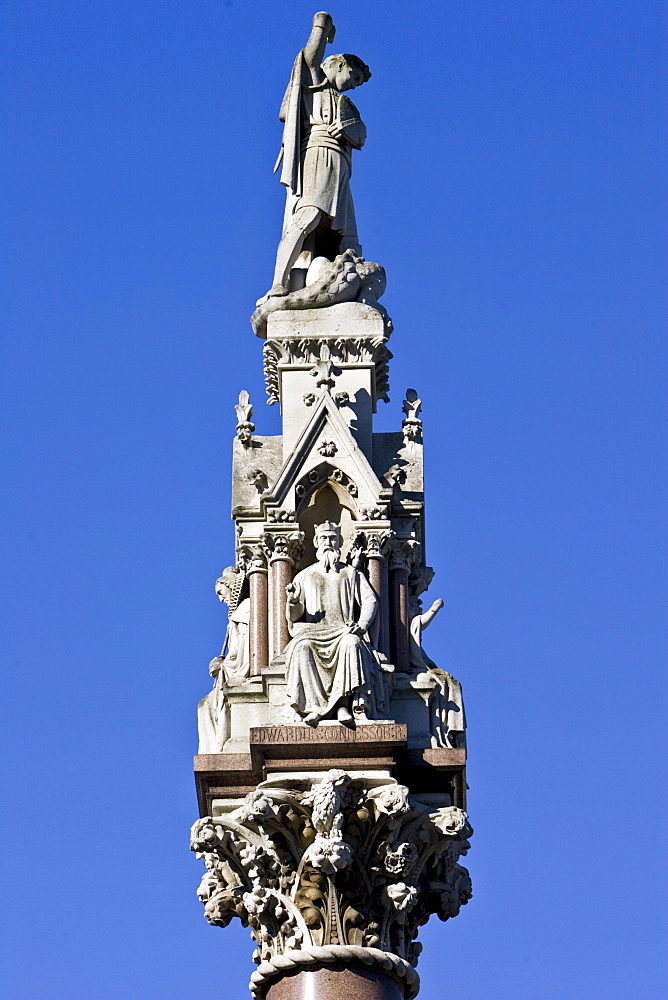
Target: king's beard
328,557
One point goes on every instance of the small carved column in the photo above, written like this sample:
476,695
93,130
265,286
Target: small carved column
282,551
259,612
400,565
334,981
377,565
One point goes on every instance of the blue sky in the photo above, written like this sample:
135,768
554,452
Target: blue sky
512,187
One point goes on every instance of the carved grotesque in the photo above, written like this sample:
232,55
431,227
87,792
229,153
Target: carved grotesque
331,669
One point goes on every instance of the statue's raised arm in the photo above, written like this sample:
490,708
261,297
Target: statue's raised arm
322,127
323,31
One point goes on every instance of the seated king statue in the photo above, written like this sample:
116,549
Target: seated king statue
331,670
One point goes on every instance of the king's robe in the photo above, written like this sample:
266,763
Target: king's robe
326,663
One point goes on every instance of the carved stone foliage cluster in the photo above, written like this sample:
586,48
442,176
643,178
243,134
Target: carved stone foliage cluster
308,351
346,861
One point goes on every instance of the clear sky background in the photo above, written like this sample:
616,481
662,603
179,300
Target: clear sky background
512,187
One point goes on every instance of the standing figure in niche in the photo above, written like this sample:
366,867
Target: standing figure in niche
331,669
322,127
228,669
446,705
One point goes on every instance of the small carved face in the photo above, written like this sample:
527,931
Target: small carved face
328,540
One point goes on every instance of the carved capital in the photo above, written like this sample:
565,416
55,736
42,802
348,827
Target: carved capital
370,545
283,545
404,553
346,868
253,557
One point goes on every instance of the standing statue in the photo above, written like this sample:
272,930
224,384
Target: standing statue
331,669
322,127
447,720
228,669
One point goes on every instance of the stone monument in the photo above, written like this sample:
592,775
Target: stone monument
331,766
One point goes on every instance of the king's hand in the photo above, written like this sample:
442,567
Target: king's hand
291,593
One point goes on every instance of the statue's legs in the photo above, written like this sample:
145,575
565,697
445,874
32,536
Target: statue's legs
304,221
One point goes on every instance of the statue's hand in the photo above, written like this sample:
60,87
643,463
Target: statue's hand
336,130
324,20
437,605
215,666
355,629
291,593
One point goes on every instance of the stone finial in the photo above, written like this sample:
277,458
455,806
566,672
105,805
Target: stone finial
345,868
244,412
412,426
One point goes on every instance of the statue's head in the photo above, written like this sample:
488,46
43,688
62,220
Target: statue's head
345,71
226,584
327,541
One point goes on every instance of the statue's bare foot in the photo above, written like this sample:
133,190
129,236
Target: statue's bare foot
312,719
275,292
343,715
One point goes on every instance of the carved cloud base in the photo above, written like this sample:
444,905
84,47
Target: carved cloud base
336,867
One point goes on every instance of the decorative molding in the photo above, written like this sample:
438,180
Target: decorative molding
318,476
345,868
327,449
324,369
344,351
275,516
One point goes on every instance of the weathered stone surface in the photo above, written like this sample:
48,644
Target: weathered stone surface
348,278
340,866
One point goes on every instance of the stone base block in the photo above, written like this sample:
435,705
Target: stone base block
437,776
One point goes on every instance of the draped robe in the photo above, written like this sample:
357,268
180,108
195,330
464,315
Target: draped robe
325,662
316,167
